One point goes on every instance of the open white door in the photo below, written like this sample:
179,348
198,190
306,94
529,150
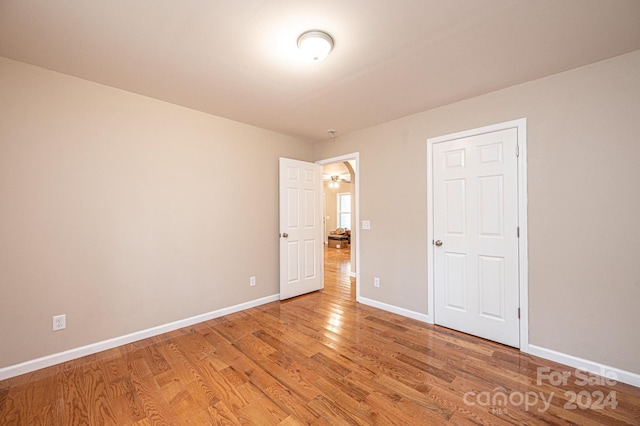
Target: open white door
475,222
301,238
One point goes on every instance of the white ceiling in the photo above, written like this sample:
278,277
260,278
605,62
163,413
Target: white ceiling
237,58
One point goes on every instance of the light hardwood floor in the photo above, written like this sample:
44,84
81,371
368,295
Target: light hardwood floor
317,359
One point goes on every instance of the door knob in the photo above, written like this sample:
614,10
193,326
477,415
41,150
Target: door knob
285,235
438,243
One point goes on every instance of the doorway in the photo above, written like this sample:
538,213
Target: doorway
477,232
350,161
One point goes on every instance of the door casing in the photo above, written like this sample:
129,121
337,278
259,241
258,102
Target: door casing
521,126
353,156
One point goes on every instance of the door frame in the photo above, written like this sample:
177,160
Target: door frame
356,220
523,264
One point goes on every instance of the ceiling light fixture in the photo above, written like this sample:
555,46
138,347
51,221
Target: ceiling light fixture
315,45
334,182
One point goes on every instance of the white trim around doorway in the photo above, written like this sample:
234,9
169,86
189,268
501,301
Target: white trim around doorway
521,126
355,157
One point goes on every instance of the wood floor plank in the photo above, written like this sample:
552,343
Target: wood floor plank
419,397
220,387
96,391
318,359
149,394
221,415
128,408
291,375
401,412
262,409
4,392
327,409
349,399
281,394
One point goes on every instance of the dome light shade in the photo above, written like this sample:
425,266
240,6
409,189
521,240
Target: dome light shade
334,182
315,45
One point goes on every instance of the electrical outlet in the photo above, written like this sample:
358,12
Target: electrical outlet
366,224
252,281
59,322
376,282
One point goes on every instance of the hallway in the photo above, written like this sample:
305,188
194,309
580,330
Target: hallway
337,267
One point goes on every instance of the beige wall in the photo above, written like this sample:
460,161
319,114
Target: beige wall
124,212
584,205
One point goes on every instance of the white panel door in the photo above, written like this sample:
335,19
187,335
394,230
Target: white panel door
301,237
475,219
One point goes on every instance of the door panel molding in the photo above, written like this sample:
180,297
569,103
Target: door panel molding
301,260
487,154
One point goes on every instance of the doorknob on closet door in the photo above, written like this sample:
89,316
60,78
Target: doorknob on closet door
285,235
438,243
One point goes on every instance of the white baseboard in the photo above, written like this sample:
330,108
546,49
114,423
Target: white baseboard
396,310
594,367
618,374
49,360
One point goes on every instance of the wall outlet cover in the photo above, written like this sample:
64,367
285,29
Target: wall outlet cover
59,322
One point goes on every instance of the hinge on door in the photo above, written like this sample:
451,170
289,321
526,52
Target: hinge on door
518,232
518,313
517,150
